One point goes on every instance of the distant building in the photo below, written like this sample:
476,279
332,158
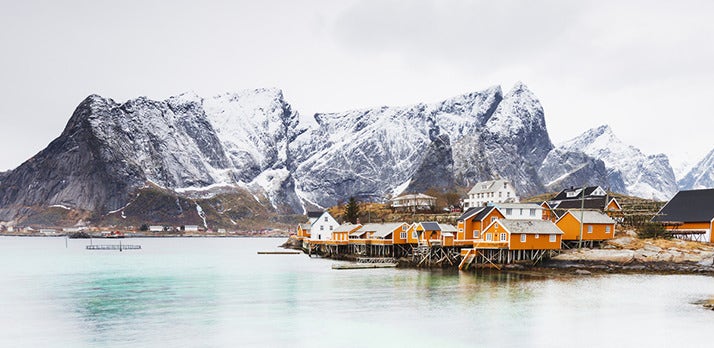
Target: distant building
156,228
494,191
590,197
190,228
413,202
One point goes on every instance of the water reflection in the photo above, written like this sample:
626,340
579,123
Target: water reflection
110,306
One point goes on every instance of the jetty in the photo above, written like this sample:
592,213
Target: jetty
119,247
279,252
363,265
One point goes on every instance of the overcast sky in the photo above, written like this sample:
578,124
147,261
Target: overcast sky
645,68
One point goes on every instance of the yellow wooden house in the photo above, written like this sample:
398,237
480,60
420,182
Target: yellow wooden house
594,225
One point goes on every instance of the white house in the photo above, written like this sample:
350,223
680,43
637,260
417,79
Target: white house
413,202
323,226
156,228
521,211
190,228
494,191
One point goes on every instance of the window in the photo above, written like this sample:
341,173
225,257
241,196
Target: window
322,228
505,185
477,234
590,229
500,194
403,235
509,211
494,218
508,194
532,212
415,235
325,218
521,211
523,238
503,237
537,236
607,229
330,227
404,227
489,237
551,238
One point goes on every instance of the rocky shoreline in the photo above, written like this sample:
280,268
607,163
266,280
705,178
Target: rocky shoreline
631,254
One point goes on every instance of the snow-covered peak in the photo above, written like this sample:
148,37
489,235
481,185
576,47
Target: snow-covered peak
701,176
519,111
644,176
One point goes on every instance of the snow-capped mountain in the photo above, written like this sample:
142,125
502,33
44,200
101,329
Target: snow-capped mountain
701,176
647,176
109,150
253,144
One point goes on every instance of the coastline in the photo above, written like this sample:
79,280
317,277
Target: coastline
626,254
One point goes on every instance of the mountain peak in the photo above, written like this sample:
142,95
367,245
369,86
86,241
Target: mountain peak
644,176
519,87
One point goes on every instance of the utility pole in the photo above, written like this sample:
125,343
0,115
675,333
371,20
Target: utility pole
582,213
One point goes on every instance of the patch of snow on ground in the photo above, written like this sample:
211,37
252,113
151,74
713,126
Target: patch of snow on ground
200,212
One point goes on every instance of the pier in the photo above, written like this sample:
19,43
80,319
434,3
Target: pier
119,247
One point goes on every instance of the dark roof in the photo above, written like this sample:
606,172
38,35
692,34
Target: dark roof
590,203
314,214
431,226
477,213
563,195
688,206
470,212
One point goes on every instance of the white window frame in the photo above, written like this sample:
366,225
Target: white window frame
552,238
494,218
537,236
403,235
489,237
503,237
590,228
533,212
607,229
477,234
415,235
523,238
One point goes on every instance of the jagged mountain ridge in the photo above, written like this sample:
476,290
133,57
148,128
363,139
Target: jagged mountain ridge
252,141
701,176
647,176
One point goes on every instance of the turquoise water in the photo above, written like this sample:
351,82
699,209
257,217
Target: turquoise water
220,293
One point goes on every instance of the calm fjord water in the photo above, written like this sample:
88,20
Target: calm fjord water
206,292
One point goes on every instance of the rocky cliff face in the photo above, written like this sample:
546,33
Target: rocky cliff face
701,176
252,144
563,168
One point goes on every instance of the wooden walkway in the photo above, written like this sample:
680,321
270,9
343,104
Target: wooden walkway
119,247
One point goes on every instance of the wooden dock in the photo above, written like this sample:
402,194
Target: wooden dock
279,252
362,265
119,247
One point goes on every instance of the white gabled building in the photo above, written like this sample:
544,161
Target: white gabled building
493,191
322,227
521,211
